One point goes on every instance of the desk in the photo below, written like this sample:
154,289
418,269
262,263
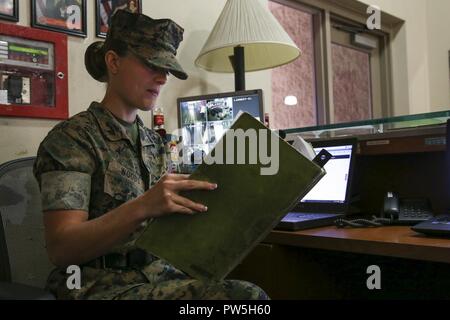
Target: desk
392,241
331,263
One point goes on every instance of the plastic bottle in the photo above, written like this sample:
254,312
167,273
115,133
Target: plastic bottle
158,121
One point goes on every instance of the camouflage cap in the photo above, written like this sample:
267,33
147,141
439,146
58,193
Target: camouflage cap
155,41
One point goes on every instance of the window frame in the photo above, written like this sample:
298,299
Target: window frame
346,11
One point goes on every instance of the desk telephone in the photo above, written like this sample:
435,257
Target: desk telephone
406,211
395,211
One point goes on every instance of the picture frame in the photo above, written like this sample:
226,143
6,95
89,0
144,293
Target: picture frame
105,10
66,16
9,10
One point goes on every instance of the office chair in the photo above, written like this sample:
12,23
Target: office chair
24,264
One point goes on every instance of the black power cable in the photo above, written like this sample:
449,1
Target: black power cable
363,223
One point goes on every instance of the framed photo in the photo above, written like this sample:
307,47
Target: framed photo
9,10
67,16
106,8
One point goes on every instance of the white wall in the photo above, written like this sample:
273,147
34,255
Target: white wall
424,37
20,137
425,40
414,35
438,17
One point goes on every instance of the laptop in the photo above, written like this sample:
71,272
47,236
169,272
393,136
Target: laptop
329,199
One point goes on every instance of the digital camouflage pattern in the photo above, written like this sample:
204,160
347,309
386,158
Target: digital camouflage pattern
157,281
95,163
90,163
154,40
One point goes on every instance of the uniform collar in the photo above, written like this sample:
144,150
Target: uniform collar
111,127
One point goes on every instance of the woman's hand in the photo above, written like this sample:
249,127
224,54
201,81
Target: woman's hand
163,198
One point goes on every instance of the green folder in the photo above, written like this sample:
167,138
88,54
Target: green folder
246,206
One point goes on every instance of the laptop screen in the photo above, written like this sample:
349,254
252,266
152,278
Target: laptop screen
332,188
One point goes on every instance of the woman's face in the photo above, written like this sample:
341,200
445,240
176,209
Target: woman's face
135,83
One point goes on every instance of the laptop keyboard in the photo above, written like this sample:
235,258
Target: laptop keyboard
439,225
442,220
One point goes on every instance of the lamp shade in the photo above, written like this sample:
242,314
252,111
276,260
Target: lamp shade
247,23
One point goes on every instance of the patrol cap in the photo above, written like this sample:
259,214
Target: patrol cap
155,41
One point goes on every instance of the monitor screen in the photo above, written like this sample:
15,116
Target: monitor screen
332,188
204,119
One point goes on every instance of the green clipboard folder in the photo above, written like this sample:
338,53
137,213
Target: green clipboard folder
241,212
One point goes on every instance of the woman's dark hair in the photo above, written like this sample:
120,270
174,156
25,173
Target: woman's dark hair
94,58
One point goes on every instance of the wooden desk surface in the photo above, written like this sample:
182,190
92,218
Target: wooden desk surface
394,241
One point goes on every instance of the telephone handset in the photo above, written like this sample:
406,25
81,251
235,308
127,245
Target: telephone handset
406,211
391,207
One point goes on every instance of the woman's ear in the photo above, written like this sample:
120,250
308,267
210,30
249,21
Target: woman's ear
112,61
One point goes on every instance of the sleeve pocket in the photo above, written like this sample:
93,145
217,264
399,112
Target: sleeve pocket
65,190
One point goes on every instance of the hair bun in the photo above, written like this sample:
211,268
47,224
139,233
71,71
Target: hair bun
94,60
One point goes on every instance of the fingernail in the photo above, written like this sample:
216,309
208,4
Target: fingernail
205,208
214,187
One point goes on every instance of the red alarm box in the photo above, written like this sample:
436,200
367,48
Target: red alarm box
33,73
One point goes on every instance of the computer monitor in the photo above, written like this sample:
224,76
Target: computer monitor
333,190
204,119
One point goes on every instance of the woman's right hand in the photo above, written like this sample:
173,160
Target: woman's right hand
163,198
74,239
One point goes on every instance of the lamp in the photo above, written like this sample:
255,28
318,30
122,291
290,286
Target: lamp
246,37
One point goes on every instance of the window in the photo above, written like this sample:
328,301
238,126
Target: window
351,84
294,84
342,74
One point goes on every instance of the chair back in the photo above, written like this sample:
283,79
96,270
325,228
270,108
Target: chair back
23,254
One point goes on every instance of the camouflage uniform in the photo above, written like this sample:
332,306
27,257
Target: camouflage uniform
90,163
